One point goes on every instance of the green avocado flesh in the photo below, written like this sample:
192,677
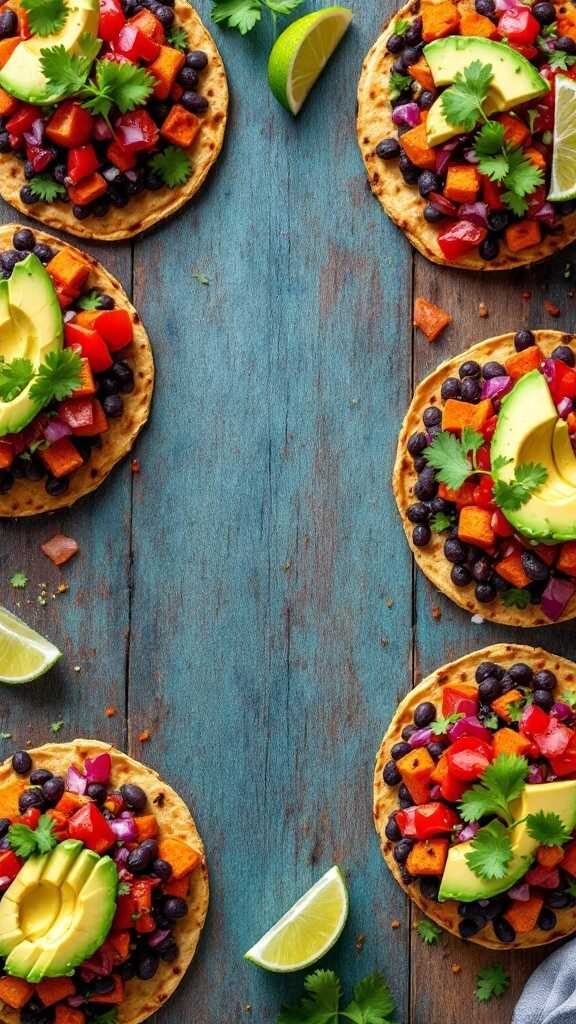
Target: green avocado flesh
515,79
31,326
22,74
57,912
529,430
460,883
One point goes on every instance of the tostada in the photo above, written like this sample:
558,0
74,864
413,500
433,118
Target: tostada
103,886
76,373
475,796
112,112
485,478
464,127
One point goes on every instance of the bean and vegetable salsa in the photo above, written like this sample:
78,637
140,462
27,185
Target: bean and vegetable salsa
73,155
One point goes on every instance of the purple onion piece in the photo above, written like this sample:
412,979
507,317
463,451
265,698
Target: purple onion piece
496,387
520,892
111,173
76,1001
5,882
98,769
75,781
406,113
544,213
564,407
54,431
121,855
469,726
468,832
556,597
536,774
561,711
471,157
476,213
124,829
69,315
421,738
36,134
445,152
435,792
158,936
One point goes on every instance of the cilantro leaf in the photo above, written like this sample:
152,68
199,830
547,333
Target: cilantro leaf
491,981
56,726
515,598
490,851
19,580
547,828
489,148
200,277
178,38
491,721
45,16
124,86
499,785
14,377
560,60
515,710
441,725
172,165
523,176
569,697
442,521
462,103
428,931
401,26
398,84
282,6
26,841
320,1005
571,889
106,1017
242,15
372,1003
67,72
57,377
123,889
449,456
45,188
512,494
91,300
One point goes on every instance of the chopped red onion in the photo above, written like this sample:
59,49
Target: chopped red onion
435,792
476,213
76,1001
496,387
158,936
556,597
124,829
536,774
55,430
121,855
445,152
69,315
544,213
407,113
506,5
101,130
549,369
100,963
471,157
561,711
75,781
468,832
564,407
131,176
421,738
469,726
98,769
5,882
86,974
442,204
520,892
36,134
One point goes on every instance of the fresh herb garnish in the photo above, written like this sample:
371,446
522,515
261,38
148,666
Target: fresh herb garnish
491,981
106,1017
200,277
14,377
92,300
178,38
559,60
243,15
45,188
428,931
515,598
26,841
568,697
515,710
401,26
463,102
441,725
172,165
507,165
57,377
547,828
372,1002
124,86
490,851
56,726
123,889
442,521
501,783
491,721
67,72
512,494
19,580
45,16
397,84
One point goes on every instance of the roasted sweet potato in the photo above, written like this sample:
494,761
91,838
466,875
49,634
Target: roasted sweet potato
415,769
61,458
463,496
512,570
439,19
146,826
524,915
7,47
88,385
536,157
180,127
8,104
415,145
569,859
68,1015
462,183
421,73
428,857
550,856
182,858
506,741
69,269
475,526
523,235
502,704
522,362
516,132
15,992
456,415
88,190
472,24
567,558
177,887
165,68
54,990
441,769
430,319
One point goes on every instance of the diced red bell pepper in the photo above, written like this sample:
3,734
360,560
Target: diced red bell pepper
31,817
468,758
563,382
123,159
459,698
70,125
555,740
23,119
125,911
491,193
136,131
544,878
7,454
39,157
91,827
426,820
519,26
534,721
484,493
147,23
452,789
10,864
77,412
112,19
459,238
565,764
133,44
99,423
91,345
500,524
82,162
115,326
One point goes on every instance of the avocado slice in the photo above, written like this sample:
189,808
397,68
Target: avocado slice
22,74
525,433
31,326
57,912
563,452
515,79
460,883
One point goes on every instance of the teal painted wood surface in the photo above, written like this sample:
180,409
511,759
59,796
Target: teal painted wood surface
249,597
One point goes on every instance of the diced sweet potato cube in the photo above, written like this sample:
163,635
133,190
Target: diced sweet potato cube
516,131
416,769
523,916
415,144
439,19
165,68
512,570
567,558
69,269
430,319
523,235
550,856
421,73
502,704
180,127
472,24
462,183
523,362
507,741
61,458
428,857
475,526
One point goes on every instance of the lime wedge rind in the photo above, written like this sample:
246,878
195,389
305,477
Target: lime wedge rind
308,931
563,177
25,655
301,53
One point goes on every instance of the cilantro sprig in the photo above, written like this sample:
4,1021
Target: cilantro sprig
442,521
490,851
507,165
547,828
26,841
120,86
172,165
428,931
57,377
515,598
501,783
463,102
14,377
45,16
441,725
243,15
45,188
398,83
491,981
372,1002
90,301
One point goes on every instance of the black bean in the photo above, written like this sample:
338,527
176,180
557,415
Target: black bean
43,252
21,762
8,24
493,369
106,301
80,212
102,986
5,146
390,774
533,566
565,354
59,173
169,953
521,674
147,966
544,12
413,33
10,258
485,593
503,931
108,385
418,513
507,683
523,339
486,7
470,369
139,860
426,486
471,390
194,102
408,731
24,240
127,970
420,463
388,149
39,776
544,680
124,375
429,182
31,798
133,796
460,576
55,486
151,846
402,850
395,44
162,869
421,536
470,926
451,388
188,78
429,887
543,699
424,714
399,750
498,220
165,15
417,443
565,43
488,668
435,750
482,570
556,899
432,416
454,550
489,248
53,790
28,196
489,689
113,406
404,794
174,908
392,830
408,170
96,791
426,99
197,60
546,920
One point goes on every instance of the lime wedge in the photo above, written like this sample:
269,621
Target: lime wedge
563,179
308,930
301,53
24,654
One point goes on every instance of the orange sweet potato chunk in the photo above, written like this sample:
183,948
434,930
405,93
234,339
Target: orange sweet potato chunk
430,319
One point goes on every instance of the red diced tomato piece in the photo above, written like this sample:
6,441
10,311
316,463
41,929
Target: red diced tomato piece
10,864
134,45
115,326
519,26
123,159
459,238
99,423
77,412
91,827
137,131
426,820
91,345
82,162
23,119
500,524
112,19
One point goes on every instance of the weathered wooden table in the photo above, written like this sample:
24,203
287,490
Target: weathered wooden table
249,597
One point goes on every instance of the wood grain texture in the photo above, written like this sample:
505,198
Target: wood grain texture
249,596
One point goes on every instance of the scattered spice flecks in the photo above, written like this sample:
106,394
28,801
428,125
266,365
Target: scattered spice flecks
144,736
526,295
436,613
60,549
360,941
394,924
551,308
62,588
455,968
483,310
135,466
389,602
110,711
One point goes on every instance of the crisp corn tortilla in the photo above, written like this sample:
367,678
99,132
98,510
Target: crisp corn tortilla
431,558
143,998
386,797
27,498
145,210
402,202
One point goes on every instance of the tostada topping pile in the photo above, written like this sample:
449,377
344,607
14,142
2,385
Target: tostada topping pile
487,800
100,100
91,892
497,476
474,92
65,363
